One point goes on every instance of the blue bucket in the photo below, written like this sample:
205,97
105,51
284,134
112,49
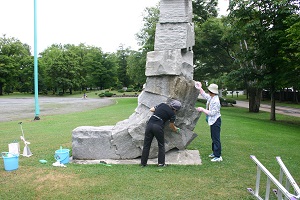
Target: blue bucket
62,155
11,161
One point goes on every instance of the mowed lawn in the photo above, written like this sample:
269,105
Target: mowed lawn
243,134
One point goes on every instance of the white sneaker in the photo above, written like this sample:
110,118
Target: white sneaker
211,155
215,159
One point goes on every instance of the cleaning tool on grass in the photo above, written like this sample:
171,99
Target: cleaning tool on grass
26,151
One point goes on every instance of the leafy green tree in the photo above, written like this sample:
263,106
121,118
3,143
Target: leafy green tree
136,63
203,10
262,24
122,55
214,51
146,35
26,75
292,55
81,70
50,61
210,45
110,63
12,52
101,69
61,67
70,71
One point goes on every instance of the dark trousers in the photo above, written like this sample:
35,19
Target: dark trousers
215,131
154,130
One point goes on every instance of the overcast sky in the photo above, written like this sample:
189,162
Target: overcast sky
101,23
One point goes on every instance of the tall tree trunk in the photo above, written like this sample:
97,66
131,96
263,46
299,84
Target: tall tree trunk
295,96
254,99
272,113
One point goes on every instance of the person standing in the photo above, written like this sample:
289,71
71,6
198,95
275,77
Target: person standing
155,128
213,118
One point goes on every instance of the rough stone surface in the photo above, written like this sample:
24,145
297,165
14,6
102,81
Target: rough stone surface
170,36
125,139
90,143
170,62
175,11
169,72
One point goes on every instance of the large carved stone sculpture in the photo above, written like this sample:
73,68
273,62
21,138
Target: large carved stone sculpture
169,71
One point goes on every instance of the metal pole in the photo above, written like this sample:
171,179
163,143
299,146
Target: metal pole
36,83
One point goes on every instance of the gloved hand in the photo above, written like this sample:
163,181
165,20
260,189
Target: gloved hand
178,130
198,85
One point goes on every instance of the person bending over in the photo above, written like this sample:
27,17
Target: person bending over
155,128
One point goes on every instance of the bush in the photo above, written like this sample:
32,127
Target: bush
231,101
101,95
225,102
129,90
45,92
108,94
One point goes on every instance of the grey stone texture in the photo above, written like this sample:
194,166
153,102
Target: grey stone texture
174,36
125,139
170,62
175,11
175,29
169,71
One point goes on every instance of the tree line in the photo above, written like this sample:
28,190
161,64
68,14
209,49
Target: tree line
255,47
62,68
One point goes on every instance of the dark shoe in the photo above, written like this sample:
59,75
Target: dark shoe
162,165
143,165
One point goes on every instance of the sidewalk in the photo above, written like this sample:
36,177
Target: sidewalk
267,108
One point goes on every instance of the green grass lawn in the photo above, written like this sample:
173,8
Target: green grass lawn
243,134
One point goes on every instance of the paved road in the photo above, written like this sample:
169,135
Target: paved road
267,108
20,108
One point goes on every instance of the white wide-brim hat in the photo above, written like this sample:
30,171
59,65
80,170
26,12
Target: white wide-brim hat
213,88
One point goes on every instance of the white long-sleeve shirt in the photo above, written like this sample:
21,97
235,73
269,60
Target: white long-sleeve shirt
213,106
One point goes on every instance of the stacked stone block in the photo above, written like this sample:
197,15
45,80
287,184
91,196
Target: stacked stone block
169,71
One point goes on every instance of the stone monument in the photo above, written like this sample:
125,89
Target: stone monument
169,71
